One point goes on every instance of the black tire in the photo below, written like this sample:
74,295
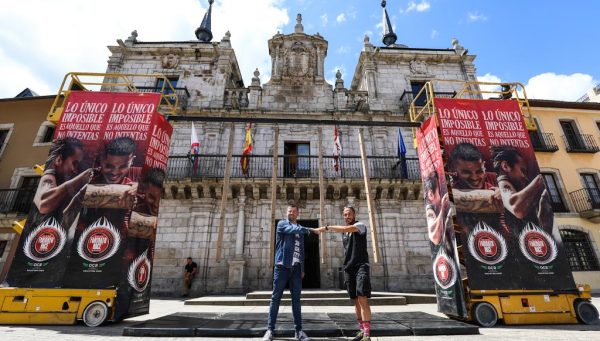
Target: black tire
95,314
485,314
586,312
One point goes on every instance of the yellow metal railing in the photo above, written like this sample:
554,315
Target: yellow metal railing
472,89
114,82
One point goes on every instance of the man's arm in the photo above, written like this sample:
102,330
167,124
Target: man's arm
285,228
49,196
358,227
522,202
435,224
194,269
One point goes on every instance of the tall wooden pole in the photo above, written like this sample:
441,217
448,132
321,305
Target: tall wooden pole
323,240
225,192
370,208
273,197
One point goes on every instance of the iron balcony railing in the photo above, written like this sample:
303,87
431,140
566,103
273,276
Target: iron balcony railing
182,94
291,166
580,143
543,142
586,199
16,200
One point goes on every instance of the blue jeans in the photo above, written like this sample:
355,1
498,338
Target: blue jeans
281,276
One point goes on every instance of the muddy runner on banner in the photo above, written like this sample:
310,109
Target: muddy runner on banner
93,222
448,285
503,207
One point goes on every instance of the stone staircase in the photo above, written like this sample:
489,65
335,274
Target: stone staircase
313,298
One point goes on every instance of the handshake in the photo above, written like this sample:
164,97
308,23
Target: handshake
321,229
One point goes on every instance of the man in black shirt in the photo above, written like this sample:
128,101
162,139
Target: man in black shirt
188,275
356,269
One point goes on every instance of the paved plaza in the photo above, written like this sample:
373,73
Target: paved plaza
162,307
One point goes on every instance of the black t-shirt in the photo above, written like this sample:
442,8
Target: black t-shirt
355,246
191,267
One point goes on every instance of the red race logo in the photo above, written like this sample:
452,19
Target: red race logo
45,241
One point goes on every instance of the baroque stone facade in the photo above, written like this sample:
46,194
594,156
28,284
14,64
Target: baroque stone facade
382,86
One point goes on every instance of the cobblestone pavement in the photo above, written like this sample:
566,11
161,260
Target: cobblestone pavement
161,307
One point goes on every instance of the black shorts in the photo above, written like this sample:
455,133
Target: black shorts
358,281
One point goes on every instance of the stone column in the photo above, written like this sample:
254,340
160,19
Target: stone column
237,266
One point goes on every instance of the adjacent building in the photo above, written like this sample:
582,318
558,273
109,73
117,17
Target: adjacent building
567,150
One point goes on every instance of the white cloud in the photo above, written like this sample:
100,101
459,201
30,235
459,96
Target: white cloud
324,20
342,49
549,85
341,18
488,77
422,6
476,16
43,53
434,33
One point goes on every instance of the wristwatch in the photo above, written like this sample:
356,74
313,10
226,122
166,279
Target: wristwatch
326,227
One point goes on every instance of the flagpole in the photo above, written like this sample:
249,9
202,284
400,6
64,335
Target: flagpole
273,197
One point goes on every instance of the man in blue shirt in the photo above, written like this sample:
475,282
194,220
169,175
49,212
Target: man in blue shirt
289,267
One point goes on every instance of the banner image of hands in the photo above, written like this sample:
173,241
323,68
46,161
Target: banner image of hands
502,204
93,222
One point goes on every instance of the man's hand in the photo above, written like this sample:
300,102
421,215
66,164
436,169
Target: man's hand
302,275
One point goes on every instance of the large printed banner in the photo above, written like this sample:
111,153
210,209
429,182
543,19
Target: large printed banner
446,272
503,207
94,218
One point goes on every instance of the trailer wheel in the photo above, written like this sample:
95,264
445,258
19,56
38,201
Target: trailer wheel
586,312
95,314
485,314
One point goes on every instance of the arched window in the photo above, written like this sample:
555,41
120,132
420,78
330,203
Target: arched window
579,250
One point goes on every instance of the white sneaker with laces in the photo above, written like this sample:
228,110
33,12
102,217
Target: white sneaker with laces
301,336
268,335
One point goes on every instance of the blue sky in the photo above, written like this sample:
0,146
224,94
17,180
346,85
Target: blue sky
549,46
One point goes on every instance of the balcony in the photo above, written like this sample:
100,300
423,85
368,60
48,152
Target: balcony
543,142
235,98
358,100
182,95
408,96
587,203
17,201
580,143
291,166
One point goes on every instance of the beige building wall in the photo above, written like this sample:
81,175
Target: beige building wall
567,167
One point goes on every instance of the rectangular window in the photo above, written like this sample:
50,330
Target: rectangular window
296,159
591,186
3,136
3,244
25,194
167,89
572,135
580,253
416,87
48,134
554,191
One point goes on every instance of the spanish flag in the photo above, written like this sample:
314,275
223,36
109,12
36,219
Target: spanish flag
245,160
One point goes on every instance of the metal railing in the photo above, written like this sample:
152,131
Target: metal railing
291,166
586,199
543,142
182,94
580,143
16,200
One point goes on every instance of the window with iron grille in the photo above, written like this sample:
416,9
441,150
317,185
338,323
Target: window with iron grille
556,199
579,249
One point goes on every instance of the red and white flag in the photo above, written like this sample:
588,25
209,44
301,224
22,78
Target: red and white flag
194,148
337,149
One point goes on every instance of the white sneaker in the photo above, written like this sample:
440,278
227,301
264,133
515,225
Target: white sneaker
301,336
268,335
